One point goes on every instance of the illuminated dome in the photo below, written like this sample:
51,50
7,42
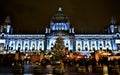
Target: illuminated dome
59,16
59,21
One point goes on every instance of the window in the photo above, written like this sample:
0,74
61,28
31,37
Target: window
100,46
33,46
26,46
78,46
12,46
51,44
108,46
40,47
19,46
66,44
93,46
86,47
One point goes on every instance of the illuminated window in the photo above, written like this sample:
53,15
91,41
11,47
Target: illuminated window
112,28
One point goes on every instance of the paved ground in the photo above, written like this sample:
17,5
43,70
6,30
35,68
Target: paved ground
69,70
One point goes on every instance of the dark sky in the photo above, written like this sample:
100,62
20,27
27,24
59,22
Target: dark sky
32,16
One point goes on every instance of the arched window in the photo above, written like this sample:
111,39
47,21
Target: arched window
107,46
93,47
26,46
67,46
51,46
11,46
100,46
33,47
86,47
19,46
40,47
78,46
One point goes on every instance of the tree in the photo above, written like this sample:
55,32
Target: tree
58,48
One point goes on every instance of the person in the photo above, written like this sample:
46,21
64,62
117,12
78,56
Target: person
62,65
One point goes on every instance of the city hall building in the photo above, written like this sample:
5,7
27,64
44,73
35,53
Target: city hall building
59,25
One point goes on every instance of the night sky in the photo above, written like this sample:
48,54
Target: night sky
32,16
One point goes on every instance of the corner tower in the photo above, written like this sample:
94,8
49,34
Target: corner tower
6,26
114,26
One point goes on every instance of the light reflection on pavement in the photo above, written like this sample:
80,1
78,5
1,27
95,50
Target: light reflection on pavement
69,70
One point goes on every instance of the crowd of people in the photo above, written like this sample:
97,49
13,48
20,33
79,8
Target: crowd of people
70,59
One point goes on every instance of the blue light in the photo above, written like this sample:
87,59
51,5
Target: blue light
84,40
112,28
8,28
